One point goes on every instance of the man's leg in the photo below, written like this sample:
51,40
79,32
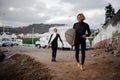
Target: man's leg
77,54
82,57
83,47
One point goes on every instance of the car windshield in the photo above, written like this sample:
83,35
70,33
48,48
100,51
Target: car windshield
5,39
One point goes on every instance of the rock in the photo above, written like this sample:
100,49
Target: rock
93,55
114,47
115,52
2,56
111,52
95,63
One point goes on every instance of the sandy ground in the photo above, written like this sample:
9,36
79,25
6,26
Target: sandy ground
23,67
99,65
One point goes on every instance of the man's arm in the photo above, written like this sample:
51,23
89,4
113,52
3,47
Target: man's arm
74,26
60,38
88,31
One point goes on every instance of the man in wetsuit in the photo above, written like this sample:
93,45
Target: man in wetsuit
80,38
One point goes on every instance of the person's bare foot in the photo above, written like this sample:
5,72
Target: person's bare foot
78,64
81,67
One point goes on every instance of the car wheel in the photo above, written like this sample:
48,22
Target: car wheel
45,46
11,45
4,45
38,45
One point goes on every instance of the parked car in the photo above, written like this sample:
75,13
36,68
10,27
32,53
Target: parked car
19,41
37,44
14,41
43,40
6,42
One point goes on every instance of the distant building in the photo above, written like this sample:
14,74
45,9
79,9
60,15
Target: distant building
21,35
29,35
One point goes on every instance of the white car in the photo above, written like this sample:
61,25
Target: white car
37,44
6,42
19,41
43,40
14,41
40,44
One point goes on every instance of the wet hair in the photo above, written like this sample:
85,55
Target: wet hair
55,28
81,14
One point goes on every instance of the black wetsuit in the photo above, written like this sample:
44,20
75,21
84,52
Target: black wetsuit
54,45
81,28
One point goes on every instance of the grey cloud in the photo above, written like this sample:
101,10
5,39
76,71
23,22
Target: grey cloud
27,11
86,4
24,15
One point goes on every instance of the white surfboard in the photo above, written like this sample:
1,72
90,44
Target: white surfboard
70,36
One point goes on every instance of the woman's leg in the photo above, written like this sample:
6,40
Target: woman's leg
54,50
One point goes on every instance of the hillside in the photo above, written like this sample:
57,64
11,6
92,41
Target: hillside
38,28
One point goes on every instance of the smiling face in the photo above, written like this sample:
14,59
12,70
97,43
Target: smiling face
80,17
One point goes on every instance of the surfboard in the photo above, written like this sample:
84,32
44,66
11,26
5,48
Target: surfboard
70,36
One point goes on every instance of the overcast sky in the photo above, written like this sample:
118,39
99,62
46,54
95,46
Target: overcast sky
24,12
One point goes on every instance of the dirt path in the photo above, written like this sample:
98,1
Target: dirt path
99,65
